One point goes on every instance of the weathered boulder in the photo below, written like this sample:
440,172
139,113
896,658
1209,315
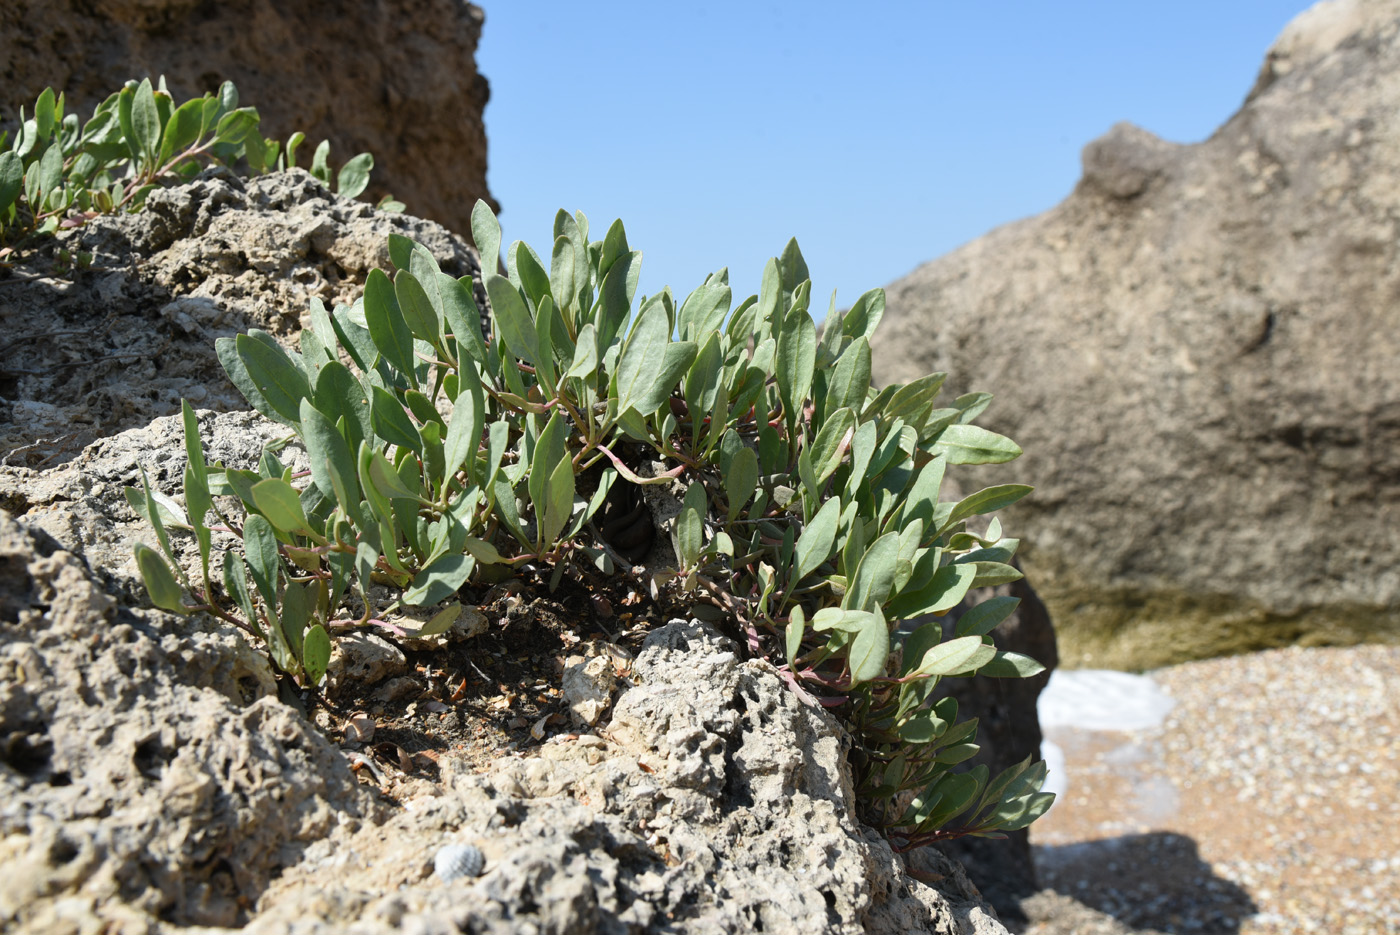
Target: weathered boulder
86,356
152,780
1197,350
149,771
397,79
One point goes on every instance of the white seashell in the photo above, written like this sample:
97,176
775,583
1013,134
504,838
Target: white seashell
458,860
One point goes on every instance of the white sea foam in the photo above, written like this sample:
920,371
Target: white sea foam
1101,699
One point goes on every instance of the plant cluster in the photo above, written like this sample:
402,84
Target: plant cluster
58,172
443,456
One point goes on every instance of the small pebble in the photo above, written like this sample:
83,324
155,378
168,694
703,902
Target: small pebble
458,860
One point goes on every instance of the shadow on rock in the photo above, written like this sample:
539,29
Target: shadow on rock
1146,881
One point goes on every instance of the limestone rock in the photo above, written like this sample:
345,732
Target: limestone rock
398,79
1197,350
116,347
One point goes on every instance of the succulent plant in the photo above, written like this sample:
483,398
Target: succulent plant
58,172
442,454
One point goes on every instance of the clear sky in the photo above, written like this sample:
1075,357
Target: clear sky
880,137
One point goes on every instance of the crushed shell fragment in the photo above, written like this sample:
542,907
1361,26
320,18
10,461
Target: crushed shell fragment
458,860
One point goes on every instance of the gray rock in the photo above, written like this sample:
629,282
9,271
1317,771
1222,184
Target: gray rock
1197,352
112,350
135,771
150,780
363,658
397,79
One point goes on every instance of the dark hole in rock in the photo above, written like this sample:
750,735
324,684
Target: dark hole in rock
27,754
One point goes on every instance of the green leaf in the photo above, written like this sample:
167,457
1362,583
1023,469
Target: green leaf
484,552
354,176
561,273
986,616
512,317
276,379
874,578
849,381
486,234
159,580
991,574
957,791
236,584
614,247
643,357
740,479
528,272
943,590
585,362
870,639
831,444
439,580
949,658
260,545
295,615
464,433
702,382
320,162
416,307
463,317
987,500
339,395
550,450
441,621
11,179
391,423
792,636
315,654
690,525
50,173
387,326
796,359
182,129
921,502
864,317
1008,665
615,299
815,543
971,444
145,123
792,269
332,464
703,311
237,126
558,504
387,482
277,501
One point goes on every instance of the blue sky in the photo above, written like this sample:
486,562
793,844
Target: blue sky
880,139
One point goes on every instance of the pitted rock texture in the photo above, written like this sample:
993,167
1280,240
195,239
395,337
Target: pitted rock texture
1197,351
712,802
395,79
152,782
135,769
87,355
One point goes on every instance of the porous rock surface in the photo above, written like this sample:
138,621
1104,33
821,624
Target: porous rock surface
150,774
151,781
395,79
1197,350
85,356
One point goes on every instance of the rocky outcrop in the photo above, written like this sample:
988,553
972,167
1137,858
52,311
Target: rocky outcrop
1197,350
149,770
395,79
154,777
87,356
